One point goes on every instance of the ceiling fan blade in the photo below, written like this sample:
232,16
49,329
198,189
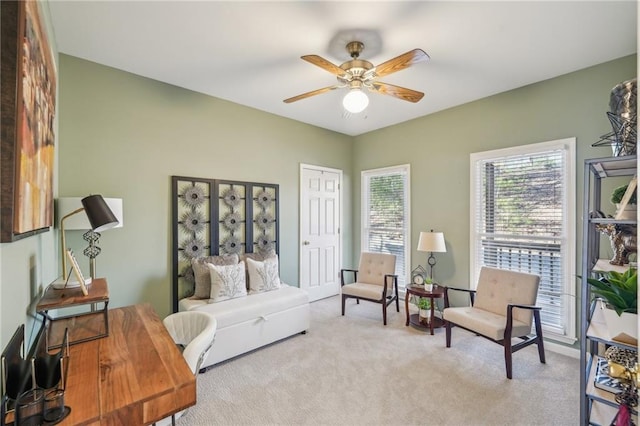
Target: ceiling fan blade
401,62
397,91
324,64
312,93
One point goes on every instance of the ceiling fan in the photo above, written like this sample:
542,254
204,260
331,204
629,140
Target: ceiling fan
357,74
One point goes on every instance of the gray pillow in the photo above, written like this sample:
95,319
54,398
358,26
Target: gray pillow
259,256
203,276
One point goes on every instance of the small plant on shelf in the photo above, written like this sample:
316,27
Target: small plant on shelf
424,306
423,303
626,210
618,193
619,290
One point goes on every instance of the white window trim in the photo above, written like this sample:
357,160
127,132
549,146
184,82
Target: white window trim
569,224
365,208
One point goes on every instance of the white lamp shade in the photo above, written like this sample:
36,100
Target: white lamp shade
432,241
80,221
355,101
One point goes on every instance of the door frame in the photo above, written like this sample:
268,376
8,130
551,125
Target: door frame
340,221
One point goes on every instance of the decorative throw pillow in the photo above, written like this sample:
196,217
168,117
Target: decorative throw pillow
263,276
259,256
202,275
227,282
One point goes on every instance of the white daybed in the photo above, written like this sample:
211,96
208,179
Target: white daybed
257,319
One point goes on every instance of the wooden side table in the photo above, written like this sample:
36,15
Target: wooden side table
85,322
414,319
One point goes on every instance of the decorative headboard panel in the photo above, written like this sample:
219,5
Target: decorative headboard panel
213,216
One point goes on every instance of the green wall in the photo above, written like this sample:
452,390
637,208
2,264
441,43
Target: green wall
123,136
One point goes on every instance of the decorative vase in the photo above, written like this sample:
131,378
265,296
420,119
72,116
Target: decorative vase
428,287
621,327
425,316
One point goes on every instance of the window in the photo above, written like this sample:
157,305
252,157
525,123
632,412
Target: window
385,215
523,219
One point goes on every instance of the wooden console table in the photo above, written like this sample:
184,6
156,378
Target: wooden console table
134,376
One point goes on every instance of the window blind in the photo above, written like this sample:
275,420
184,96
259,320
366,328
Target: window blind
520,221
385,223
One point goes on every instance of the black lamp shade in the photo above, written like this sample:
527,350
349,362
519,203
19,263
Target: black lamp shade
100,215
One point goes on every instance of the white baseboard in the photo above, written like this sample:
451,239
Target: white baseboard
562,349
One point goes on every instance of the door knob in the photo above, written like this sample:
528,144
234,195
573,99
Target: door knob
306,243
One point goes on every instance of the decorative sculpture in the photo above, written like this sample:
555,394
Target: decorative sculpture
216,217
193,221
193,196
193,248
623,118
623,241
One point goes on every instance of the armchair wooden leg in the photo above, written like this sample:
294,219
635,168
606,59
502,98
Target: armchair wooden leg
343,300
508,357
384,313
447,327
397,304
540,341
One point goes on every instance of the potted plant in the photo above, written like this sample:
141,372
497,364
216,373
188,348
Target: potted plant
424,304
629,211
619,292
428,284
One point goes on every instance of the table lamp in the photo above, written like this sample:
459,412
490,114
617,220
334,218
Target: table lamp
432,242
100,217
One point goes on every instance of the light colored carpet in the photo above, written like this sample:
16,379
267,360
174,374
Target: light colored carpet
352,370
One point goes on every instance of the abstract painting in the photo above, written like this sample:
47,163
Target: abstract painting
29,79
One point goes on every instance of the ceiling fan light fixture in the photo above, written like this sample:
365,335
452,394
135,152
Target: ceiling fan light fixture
355,101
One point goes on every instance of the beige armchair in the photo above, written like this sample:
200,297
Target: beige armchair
374,280
502,308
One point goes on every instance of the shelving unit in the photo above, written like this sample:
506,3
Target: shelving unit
597,407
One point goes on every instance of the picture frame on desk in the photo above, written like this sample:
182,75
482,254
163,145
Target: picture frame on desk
77,272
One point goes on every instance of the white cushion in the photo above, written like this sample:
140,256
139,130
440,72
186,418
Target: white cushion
263,276
254,306
484,322
368,291
227,282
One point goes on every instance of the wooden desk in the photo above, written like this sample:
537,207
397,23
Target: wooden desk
135,376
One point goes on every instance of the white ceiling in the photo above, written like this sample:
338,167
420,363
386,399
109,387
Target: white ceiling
249,52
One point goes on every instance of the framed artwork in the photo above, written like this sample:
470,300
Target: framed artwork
77,272
28,88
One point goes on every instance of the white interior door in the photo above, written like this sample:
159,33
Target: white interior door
320,230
